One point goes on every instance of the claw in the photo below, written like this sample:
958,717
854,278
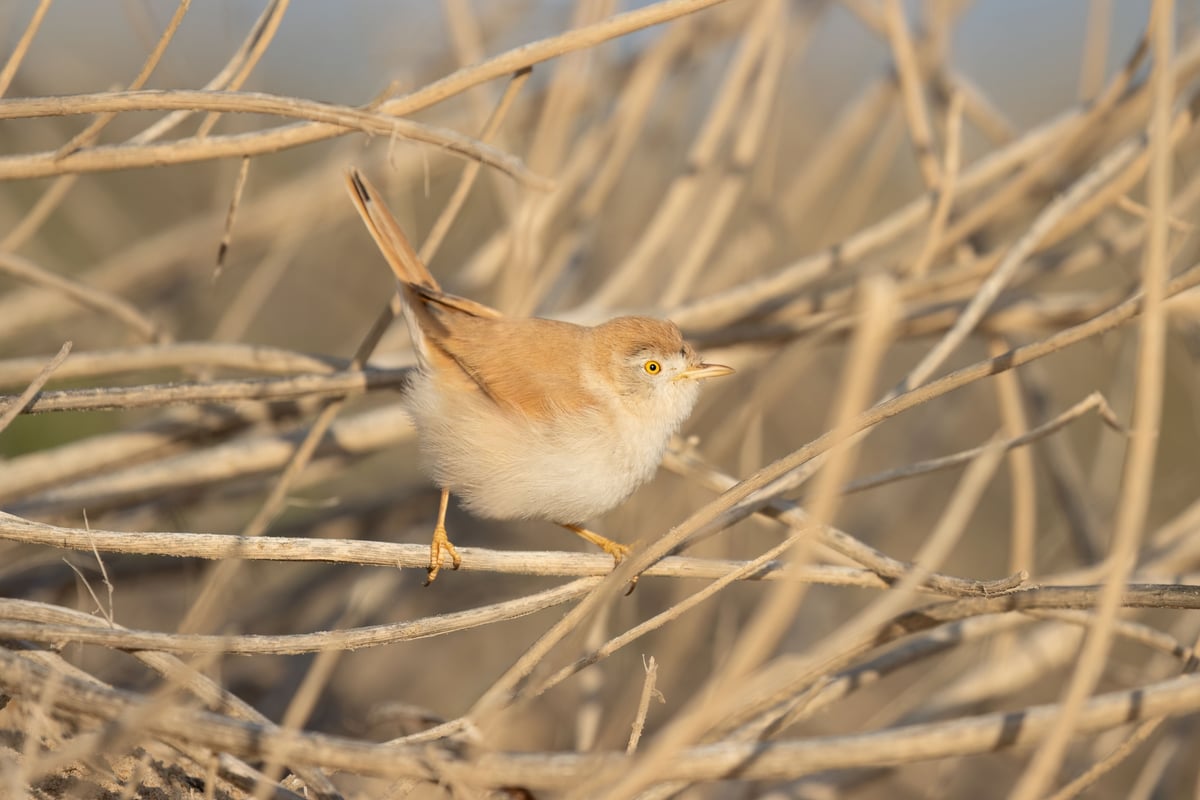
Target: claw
617,550
436,557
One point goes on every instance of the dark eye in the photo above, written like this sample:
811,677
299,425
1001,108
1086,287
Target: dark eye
652,367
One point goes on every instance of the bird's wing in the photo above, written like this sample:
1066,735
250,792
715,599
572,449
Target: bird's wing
472,345
530,366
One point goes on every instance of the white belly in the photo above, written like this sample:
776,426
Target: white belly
507,467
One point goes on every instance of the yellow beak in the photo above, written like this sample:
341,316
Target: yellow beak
704,371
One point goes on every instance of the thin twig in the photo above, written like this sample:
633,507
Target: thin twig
757,760
174,355
13,62
648,692
415,556
181,151
1147,414
13,409
228,391
86,296
1093,402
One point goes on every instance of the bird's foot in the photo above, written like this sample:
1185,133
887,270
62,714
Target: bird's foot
617,550
440,543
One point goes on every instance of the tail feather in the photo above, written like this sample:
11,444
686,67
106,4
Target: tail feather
408,267
388,236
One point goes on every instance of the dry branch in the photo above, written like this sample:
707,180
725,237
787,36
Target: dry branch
684,181
758,761
230,391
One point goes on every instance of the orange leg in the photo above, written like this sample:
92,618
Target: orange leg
615,549
441,541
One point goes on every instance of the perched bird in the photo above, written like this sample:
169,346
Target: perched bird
533,418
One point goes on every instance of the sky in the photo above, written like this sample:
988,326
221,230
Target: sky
346,51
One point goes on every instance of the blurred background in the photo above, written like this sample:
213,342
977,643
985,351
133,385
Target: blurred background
694,162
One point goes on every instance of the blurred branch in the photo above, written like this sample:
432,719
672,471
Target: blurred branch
217,391
384,121
82,295
534,53
175,355
1093,402
22,619
17,406
406,556
179,151
754,760
13,62
916,111
349,639
761,490
748,296
692,175
93,130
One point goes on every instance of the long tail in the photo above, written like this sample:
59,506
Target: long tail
410,270
388,236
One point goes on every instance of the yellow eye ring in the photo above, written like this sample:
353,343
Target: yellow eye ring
652,367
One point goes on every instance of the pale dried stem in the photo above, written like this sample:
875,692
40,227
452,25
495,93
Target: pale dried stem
367,597
387,119
648,693
777,760
87,296
746,149
491,126
254,293
257,40
248,58
945,188
235,200
467,38
416,556
1021,435
916,113
670,215
215,391
1101,768
792,676
991,287
92,132
13,62
209,603
865,182
14,408
129,156
980,253
777,609
1095,48
1020,463
1147,415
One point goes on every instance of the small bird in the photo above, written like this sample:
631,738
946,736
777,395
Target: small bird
533,418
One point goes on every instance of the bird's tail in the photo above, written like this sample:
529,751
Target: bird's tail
410,270
388,236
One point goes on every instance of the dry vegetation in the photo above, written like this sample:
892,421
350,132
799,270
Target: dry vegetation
937,538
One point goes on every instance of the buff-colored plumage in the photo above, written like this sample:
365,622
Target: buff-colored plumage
534,418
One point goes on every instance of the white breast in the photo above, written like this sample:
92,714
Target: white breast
503,466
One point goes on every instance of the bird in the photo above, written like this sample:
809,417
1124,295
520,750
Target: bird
531,418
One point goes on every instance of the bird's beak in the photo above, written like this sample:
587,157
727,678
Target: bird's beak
703,371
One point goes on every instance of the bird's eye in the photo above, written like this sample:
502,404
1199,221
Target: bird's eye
652,367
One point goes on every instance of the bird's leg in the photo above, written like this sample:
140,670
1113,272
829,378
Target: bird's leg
615,549
440,541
